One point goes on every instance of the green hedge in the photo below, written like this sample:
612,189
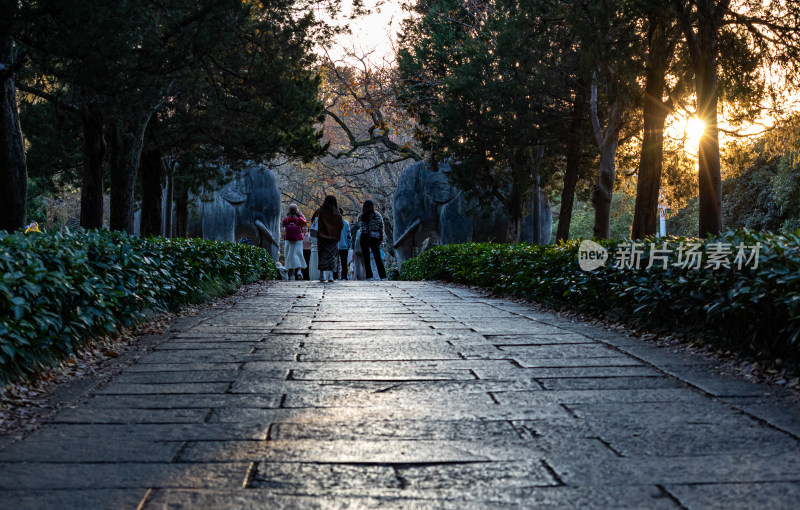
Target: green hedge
756,309
60,291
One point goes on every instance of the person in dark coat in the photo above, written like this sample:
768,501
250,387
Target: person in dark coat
371,238
330,224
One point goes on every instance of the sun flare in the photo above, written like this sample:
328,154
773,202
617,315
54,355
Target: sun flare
694,131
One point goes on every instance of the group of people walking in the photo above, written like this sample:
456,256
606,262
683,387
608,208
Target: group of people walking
315,245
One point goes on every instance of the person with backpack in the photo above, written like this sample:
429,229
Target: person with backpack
371,239
329,230
344,247
293,225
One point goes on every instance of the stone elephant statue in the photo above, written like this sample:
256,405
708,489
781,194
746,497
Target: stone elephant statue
427,205
247,209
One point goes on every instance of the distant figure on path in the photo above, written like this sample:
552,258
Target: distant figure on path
306,251
293,225
331,224
282,271
313,262
344,247
371,238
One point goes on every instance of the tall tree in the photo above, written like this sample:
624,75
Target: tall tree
13,172
573,147
701,27
604,28
490,113
662,36
121,63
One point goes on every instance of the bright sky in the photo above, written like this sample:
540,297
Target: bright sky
373,34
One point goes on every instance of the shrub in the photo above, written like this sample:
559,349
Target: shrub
60,291
751,308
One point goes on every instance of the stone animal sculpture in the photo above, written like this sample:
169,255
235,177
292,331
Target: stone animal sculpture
427,205
247,208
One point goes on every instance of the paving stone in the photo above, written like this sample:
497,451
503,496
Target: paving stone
673,412
693,439
559,338
523,398
593,372
178,357
315,479
726,468
185,401
426,396
370,452
55,499
609,383
143,432
90,449
537,497
255,499
386,373
417,480
581,351
209,346
121,415
617,361
475,430
388,399
781,413
182,367
541,411
733,496
386,352
188,376
121,388
212,337
124,475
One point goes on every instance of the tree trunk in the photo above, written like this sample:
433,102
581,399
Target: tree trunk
645,215
126,138
573,163
515,200
13,171
182,213
152,168
607,141
169,202
534,163
514,227
604,189
709,174
94,149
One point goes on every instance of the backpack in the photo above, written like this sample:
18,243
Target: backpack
293,232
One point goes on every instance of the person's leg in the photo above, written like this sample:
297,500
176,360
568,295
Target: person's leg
343,261
365,252
307,256
375,246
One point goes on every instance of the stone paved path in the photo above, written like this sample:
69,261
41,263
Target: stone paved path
408,395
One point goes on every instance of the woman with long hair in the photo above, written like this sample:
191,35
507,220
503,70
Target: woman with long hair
293,225
371,238
330,225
